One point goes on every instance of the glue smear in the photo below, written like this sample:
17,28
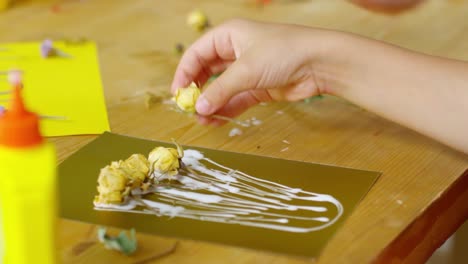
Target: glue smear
208,191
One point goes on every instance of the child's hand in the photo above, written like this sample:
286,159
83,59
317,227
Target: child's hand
271,62
260,63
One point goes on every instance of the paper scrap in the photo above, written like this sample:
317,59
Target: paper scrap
59,86
255,121
235,132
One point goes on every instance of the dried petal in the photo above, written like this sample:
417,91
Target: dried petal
112,178
152,99
136,167
164,160
112,185
47,49
186,98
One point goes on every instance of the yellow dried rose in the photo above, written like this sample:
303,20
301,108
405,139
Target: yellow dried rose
166,160
112,186
136,167
186,98
117,180
197,20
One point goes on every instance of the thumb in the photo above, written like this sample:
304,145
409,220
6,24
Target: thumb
237,78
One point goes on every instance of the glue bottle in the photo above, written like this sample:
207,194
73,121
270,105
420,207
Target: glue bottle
27,187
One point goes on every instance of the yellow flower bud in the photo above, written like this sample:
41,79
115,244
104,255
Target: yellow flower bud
117,180
136,167
164,160
186,98
112,185
197,20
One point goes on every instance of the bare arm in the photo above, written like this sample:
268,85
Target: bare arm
272,62
425,93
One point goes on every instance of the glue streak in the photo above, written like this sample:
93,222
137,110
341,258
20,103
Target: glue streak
27,188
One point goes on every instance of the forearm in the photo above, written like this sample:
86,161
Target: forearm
425,93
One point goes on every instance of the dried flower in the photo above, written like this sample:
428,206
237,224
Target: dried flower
47,49
186,98
166,160
112,186
198,20
117,179
136,167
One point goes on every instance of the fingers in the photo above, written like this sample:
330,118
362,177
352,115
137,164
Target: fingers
216,52
211,54
240,76
237,105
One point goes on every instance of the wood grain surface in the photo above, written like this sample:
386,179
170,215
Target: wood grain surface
136,40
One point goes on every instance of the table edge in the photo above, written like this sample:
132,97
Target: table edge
418,241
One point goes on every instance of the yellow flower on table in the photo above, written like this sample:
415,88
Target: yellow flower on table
137,167
164,160
112,186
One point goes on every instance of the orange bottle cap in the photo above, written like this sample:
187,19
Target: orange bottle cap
18,127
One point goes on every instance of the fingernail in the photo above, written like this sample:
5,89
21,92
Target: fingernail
203,106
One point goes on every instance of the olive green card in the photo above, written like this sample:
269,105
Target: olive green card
256,202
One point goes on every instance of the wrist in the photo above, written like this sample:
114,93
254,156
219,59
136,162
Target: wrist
338,60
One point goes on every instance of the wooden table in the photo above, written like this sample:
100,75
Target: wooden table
417,203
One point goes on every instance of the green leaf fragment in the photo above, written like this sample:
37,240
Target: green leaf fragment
123,243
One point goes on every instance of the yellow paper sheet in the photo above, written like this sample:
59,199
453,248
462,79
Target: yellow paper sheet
68,85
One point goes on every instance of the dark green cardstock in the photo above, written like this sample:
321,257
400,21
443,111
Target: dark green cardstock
78,180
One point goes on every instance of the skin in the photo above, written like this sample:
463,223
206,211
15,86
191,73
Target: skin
276,62
387,6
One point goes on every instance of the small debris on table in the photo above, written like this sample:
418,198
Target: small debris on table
235,132
255,121
47,49
285,149
286,142
279,112
179,49
122,243
152,99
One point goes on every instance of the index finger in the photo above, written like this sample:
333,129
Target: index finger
207,56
